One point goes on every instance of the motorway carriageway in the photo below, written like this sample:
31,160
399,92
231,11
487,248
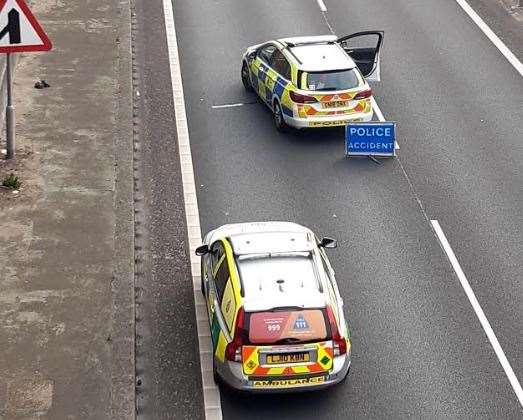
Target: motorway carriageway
419,348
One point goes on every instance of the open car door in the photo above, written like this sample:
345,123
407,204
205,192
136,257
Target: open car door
364,48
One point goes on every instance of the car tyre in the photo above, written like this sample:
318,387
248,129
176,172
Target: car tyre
246,80
279,121
202,285
215,375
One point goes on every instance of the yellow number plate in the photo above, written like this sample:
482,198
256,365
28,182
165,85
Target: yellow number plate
274,359
335,104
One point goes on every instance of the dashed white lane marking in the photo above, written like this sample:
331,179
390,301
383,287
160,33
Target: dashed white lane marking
322,6
380,116
211,393
479,312
227,106
500,45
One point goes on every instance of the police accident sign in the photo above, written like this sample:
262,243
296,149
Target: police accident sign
372,138
19,29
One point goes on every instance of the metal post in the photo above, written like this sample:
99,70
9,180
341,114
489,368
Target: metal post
10,113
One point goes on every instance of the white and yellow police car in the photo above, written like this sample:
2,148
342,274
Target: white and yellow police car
275,312
315,81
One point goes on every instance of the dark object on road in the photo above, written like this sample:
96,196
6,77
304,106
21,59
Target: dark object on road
42,84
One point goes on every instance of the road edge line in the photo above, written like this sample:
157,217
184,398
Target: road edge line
123,333
380,116
211,393
516,386
500,45
321,5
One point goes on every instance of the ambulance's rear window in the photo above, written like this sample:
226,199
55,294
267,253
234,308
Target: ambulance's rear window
287,327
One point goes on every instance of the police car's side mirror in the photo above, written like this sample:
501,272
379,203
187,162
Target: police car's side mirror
202,250
328,243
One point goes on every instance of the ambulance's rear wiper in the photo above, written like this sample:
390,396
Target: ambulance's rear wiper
289,340
286,308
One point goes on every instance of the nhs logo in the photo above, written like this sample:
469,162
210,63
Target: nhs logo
370,139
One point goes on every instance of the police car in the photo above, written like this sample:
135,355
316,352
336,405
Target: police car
275,312
315,81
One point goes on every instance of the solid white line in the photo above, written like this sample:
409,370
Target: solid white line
380,116
227,106
479,312
323,8
492,36
377,109
211,393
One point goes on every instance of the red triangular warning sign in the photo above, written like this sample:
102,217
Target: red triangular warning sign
19,29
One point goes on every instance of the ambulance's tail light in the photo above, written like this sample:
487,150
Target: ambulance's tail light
340,345
364,94
302,99
233,351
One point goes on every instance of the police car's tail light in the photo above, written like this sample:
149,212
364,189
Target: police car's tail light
233,351
340,345
364,94
302,99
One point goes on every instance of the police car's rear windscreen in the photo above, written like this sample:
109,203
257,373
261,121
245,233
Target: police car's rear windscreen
334,80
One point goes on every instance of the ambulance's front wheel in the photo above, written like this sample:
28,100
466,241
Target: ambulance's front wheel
215,375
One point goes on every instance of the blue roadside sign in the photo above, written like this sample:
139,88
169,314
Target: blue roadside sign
372,138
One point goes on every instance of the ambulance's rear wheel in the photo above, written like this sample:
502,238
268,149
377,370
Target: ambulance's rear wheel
246,80
215,375
279,121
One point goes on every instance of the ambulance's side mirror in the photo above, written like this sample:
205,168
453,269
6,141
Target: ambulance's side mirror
202,250
328,243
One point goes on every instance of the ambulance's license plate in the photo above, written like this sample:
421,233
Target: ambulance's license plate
335,104
273,359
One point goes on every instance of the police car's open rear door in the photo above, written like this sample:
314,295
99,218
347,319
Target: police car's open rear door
364,48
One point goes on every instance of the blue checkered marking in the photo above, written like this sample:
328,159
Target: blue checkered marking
279,87
287,111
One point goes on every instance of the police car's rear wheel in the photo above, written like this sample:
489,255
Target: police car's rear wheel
279,121
245,78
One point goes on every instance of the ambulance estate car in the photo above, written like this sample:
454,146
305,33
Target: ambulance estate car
275,312
316,81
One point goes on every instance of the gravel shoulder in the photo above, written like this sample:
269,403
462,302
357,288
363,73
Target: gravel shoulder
66,284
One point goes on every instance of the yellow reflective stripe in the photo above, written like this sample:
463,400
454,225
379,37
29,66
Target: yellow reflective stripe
215,269
294,72
233,272
220,348
251,363
285,97
275,371
300,369
327,364
228,305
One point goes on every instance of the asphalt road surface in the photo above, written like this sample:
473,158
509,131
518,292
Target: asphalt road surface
419,349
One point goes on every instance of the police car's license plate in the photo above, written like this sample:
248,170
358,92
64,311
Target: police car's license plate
273,359
335,104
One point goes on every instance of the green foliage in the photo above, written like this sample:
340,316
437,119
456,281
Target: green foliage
11,181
